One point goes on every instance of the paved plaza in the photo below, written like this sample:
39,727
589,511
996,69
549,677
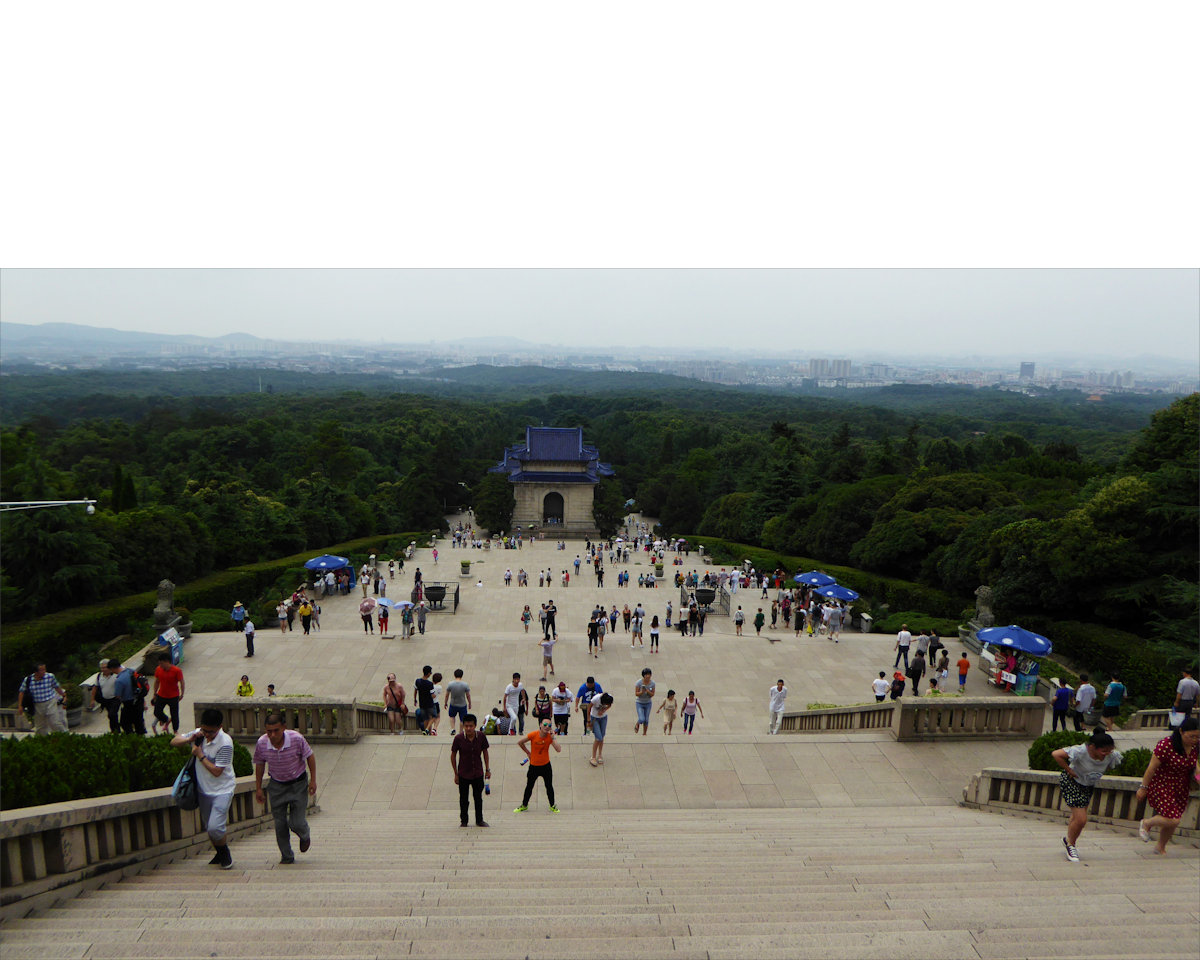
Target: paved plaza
730,761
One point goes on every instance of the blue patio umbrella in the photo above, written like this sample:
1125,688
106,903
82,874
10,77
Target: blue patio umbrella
327,561
1016,638
838,592
814,578
385,602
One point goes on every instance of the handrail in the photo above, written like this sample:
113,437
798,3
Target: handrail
1114,799
55,850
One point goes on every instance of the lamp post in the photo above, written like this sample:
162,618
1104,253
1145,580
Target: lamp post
8,505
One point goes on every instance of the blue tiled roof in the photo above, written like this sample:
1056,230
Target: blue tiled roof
554,443
548,476
550,445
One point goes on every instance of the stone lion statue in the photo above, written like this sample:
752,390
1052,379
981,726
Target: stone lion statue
164,610
983,606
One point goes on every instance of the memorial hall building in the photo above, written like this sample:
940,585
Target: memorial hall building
554,476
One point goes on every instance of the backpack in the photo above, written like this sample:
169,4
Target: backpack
141,686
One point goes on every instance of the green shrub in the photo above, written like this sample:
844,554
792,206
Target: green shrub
1133,762
206,620
1047,743
71,766
916,623
74,695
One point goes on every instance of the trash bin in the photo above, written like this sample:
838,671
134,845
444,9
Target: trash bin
1026,685
174,644
865,622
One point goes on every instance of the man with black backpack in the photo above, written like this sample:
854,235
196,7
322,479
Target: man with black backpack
132,689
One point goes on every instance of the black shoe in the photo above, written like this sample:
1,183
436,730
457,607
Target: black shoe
215,860
483,823
464,824
305,844
226,860
286,860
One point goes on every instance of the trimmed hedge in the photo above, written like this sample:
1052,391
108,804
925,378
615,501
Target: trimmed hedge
1047,743
72,766
946,629
81,631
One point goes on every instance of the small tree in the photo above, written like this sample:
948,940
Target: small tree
494,502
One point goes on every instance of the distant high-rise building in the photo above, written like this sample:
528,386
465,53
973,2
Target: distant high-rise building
1027,371
839,369
818,368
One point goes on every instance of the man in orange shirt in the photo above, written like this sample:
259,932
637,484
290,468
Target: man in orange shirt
537,744
964,667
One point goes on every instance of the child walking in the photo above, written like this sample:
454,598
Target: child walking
690,706
668,707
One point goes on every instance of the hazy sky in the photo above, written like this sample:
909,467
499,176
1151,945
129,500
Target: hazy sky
858,312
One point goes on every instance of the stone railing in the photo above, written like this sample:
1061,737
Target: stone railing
55,851
875,716
1114,800
319,720
963,718
929,718
1148,720
372,718
9,720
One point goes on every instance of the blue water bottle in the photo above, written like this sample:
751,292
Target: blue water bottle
487,784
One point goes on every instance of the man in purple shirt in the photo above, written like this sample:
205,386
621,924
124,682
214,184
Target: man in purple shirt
291,785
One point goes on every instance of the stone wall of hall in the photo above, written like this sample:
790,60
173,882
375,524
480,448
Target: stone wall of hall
577,508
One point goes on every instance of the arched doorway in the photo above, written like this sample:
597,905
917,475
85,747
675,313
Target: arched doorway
552,508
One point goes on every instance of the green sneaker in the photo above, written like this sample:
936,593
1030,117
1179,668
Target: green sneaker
553,809
521,809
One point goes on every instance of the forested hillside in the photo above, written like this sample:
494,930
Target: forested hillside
1070,508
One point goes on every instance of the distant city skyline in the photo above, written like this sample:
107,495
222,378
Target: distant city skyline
1037,315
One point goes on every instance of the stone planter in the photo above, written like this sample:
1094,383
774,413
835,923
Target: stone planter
465,567
74,716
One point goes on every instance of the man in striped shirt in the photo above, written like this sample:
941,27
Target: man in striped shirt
45,693
213,749
287,753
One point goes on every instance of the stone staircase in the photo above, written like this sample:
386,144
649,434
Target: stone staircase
884,881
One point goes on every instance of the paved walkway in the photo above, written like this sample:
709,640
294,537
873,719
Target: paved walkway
730,761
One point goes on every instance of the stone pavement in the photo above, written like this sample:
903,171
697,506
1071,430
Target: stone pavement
729,761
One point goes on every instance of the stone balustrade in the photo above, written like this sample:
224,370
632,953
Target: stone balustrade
1114,799
319,720
875,716
929,718
56,850
1148,720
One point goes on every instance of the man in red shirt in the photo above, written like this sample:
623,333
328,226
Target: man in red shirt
168,691
537,744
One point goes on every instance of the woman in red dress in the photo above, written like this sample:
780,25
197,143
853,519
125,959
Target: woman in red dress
1168,780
